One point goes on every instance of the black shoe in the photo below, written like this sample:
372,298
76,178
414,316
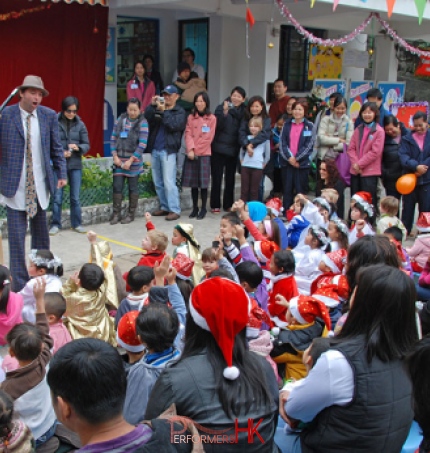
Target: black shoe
194,213
202,214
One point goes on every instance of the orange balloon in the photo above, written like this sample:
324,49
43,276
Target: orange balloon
406,183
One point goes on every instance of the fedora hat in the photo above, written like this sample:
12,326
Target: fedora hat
32,81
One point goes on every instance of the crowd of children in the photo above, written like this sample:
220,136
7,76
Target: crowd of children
293,273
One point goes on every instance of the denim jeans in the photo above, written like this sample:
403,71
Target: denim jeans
74,178
164,177
45,437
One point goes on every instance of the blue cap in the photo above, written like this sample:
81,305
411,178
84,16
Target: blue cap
170,89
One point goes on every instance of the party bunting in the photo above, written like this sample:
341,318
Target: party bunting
250,17
420,4
390,6
313,3
335,3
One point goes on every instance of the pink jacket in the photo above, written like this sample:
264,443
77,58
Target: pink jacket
420,251
144,97
424,280
12,317
196,138
59,333
369,159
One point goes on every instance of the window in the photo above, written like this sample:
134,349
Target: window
294,58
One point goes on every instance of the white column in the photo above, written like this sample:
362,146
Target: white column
385,61
350,72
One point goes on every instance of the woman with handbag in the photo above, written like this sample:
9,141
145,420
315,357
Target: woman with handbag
335,131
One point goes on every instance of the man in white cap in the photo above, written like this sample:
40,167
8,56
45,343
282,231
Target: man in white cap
29,142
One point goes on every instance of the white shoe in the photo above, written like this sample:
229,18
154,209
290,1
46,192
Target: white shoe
53,231
80,229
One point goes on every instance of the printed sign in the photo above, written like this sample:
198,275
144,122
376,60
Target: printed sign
325,88
325,62
404,111
357,96
392,93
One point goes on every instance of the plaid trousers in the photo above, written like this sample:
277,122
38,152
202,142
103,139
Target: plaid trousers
17,228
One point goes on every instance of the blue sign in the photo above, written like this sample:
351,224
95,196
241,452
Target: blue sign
108,123
328,87
110,66
392,93
357,96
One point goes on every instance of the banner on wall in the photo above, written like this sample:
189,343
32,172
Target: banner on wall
357,96
110,69
392,93
324,88
423,68
325,62
404,111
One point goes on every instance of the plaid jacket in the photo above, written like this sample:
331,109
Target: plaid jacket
12,148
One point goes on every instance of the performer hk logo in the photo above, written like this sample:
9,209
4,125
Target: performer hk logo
193,432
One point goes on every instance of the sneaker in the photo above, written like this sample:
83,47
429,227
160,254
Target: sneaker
54,230
80,229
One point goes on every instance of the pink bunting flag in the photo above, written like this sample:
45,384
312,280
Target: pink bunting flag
335,3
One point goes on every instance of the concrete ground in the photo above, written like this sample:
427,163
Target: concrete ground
73,248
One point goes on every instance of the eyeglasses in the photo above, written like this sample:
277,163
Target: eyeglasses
73,112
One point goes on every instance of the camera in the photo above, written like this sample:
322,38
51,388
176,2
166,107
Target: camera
161,99
230,105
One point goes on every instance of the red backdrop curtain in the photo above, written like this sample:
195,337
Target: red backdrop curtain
59,45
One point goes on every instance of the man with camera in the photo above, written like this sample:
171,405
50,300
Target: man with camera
167,122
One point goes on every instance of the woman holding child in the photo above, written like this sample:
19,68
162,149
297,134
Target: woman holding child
358,395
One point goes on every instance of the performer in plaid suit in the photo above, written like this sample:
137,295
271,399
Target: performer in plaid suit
29,141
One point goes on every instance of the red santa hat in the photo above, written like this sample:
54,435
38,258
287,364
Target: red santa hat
126,335
362,196
306,308
183,265
275,205
423,223
335,260
256,318
221,307
332,290
265,249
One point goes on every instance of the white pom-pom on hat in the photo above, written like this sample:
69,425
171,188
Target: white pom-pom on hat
231,373
275,331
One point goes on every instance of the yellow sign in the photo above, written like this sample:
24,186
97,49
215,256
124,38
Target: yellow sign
325,62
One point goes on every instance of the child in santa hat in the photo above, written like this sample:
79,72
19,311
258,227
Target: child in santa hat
362,214
360,197
184,268
260,341
332,287
304,315
126,337
282,267
307,269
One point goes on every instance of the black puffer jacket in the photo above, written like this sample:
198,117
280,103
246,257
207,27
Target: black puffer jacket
262,137
74,132
174,122
191,384
226,139
391,166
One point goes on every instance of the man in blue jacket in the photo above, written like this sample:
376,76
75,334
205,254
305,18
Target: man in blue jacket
166,122
29,141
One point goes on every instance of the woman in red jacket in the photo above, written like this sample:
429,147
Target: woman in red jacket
365,151
199,134
140,86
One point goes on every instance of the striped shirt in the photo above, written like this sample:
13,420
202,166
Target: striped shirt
137,165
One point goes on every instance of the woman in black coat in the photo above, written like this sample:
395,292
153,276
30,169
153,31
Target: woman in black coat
391,165
74,138
225,149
